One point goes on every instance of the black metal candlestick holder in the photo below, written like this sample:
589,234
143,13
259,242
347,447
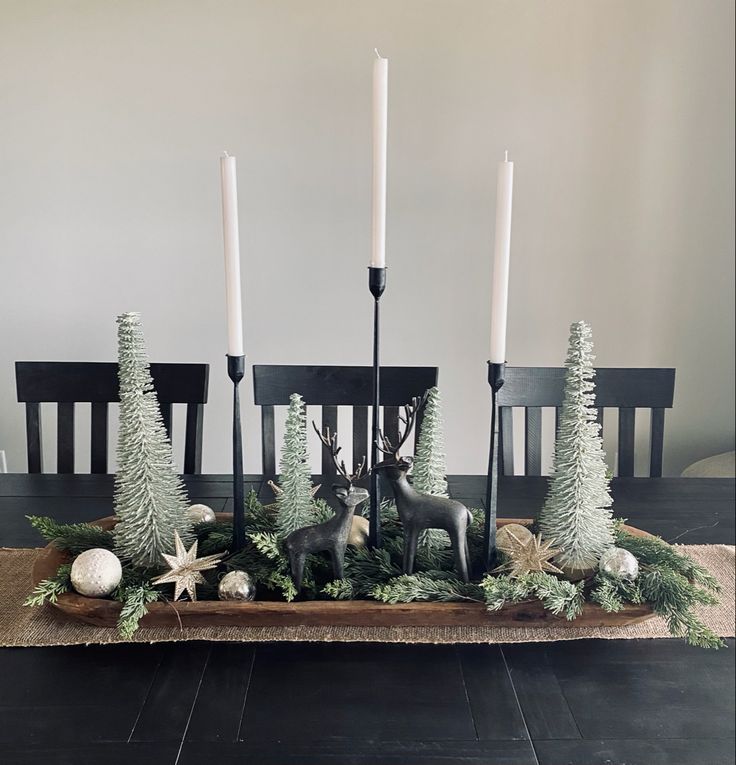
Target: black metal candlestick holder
236,372
495,380
376,285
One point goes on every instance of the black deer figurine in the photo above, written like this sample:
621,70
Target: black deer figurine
419,511
331,535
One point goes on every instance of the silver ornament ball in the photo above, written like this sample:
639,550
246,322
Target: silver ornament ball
96,573
620,563
201,514
237,585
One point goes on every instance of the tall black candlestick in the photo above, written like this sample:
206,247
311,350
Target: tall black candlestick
236,372
376,284
495,380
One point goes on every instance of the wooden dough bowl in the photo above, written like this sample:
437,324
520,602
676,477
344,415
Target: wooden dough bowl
326,613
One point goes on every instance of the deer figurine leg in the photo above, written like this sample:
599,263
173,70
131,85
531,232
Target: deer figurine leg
296,565
338,562
459,548
411,537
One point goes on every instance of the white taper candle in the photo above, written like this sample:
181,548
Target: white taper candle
231,237
380,133
502,252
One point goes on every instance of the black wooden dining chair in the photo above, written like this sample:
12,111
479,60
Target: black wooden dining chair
534,388
66,383
330,387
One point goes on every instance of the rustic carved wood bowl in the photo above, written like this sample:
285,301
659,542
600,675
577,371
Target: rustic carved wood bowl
326,613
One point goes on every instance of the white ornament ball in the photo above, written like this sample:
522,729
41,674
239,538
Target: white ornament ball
96,573
237,585
503,536
201,514
620,563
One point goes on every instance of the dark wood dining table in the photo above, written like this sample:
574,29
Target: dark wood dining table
584,702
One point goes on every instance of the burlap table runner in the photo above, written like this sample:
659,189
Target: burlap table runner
23,626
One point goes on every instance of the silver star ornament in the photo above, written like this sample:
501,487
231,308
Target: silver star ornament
185,569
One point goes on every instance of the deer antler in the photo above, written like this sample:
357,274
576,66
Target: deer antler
329,441
410,416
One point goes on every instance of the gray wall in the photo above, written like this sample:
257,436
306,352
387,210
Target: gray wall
618,113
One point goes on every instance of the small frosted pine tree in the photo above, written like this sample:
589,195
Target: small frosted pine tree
576,515
429,474
294,502
150,500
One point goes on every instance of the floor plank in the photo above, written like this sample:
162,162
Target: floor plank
321,692
667,689
543,704
693,751
355,753
95,754
218,709
493,702
168,706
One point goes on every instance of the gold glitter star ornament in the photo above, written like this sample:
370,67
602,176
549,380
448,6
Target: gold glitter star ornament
185,568
527,555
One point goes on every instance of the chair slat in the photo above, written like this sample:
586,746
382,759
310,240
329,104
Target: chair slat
360,435
339,385
33,437
329,420
558,412
268,442
66,383
656,442
506,440
614,387
193,439
65,438
391,423
533,441
98,438
166,410
626,425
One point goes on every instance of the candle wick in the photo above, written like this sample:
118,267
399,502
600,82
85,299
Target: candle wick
378,55
506,156
225,153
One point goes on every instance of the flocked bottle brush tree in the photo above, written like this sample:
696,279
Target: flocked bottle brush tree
576,515
150,499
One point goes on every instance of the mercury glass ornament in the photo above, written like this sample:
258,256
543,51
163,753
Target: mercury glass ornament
237,585
96,573
620,563
505,543
201,514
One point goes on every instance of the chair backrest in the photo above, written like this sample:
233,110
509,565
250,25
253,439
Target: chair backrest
66,383
533,388
330,387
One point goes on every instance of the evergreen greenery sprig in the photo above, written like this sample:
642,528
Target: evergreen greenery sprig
135,597
435,586
612,593
653,551
72,537
340,589
50,589
557,595
670,581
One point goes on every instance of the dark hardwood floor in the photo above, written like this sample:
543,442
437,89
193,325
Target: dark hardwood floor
590,702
